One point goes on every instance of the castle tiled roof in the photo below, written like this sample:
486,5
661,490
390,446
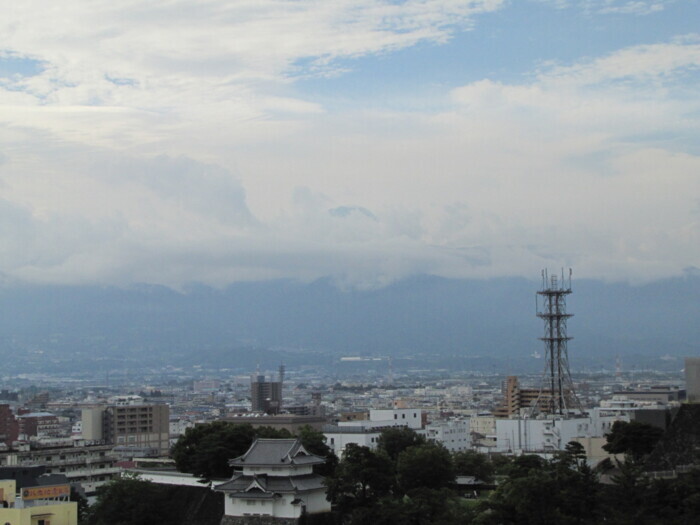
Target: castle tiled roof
247,486
271,454
276,452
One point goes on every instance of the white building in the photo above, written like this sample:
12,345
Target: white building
482,428
549,434
274,479
125,400
365,432
177,427
338,438
408,417
453,434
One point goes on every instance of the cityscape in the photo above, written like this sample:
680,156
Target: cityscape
350,262
87,432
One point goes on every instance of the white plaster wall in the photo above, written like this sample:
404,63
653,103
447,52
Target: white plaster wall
339,440
317,502
241,507
281,507
410,417
170,479
453,435
540,434
279,471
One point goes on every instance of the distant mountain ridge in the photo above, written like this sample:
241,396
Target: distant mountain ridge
423,315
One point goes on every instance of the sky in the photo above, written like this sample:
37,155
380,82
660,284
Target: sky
175,142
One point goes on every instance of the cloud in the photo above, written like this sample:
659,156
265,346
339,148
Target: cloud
625,7
138,48
613,192
171,142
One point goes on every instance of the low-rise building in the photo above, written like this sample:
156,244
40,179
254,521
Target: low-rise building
365,432
129,425
88,464
549,434
38,424
36,504
453,434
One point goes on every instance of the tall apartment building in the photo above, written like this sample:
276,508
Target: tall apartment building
143,428
266,396
38,424
516,399
692,378
9,428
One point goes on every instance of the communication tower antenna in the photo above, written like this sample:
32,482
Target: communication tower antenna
557,395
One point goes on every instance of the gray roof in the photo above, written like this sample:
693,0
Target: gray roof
276,452
252,486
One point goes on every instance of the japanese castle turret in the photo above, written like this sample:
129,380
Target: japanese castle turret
273,480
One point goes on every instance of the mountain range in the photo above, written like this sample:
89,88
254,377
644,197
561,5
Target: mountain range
425,318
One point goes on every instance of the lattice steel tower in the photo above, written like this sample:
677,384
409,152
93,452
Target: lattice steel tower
557,394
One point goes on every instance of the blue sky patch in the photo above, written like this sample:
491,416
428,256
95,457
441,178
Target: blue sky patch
11,66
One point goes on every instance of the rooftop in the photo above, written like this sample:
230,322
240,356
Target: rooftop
276,452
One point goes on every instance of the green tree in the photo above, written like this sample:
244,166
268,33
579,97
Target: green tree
635,439
523,500
537,491
395,440
472,463
572,457
205,450
131,501
83,506
501,464
361,479
424,466
625,500
421,507
315,442
523,465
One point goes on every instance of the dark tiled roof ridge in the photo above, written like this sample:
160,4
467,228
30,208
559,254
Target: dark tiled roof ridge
270,451
295,483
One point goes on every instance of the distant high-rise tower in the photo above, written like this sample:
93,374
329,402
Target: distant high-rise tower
692,379
557,394
266,396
